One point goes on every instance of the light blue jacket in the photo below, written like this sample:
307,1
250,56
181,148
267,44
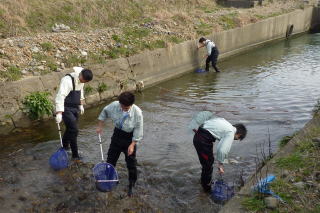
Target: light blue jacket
220,128
133,123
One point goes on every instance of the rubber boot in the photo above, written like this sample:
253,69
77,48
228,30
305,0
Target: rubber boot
130,189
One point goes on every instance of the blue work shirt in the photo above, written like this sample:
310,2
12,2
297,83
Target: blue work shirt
132,123
220,128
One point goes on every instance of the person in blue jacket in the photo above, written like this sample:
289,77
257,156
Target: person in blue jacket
208,129
212,53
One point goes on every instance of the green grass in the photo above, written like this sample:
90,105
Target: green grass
204,29
292,162
47,46
102,87
228,21
73,60
253,204
136,32
88,90
284,141
13,73
175,39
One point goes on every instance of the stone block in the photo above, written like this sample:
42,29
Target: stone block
106,95
51,82
21,120
93,99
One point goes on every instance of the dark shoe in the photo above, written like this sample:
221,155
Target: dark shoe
130,189
217,70
206,188
78,159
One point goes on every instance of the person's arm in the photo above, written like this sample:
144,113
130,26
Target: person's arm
102,117
137,133
223,149
100,127
64,89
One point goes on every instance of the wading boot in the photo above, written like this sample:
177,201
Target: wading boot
130,189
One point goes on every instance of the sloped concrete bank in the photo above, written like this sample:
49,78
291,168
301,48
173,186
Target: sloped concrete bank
151,67
234,205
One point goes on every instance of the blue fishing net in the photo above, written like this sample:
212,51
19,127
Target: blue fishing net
106,177
59,159
221,192
199,70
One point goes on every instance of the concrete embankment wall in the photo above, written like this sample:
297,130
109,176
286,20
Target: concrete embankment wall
151,67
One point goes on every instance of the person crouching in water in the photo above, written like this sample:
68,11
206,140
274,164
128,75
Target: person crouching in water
128,121
208,129
212,53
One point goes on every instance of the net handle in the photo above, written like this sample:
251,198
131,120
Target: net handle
101,150
59,131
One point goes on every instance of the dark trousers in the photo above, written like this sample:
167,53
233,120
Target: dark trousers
213,58
70,118
120,142
203,142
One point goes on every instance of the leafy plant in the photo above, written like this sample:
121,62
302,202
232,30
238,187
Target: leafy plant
37,104
254,204
88,90
102,87
292,162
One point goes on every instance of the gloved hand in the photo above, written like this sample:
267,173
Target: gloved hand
81,109
58,118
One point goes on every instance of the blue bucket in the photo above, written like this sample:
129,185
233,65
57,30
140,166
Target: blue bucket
59,160
199,70
221,192
106,177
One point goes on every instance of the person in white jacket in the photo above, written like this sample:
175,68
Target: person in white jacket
69,102
209,129
212,53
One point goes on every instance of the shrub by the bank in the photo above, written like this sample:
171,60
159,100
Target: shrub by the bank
37,105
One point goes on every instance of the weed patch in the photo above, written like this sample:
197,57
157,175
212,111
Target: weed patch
13,73
37,104
292,162
47,46
102,87
88,90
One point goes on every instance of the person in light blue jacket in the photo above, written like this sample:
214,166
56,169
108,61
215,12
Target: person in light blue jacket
209,129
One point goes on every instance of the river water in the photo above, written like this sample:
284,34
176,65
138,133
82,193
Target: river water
271,89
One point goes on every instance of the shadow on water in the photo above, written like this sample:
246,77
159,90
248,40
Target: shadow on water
271,88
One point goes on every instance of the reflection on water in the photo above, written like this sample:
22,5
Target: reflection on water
269,89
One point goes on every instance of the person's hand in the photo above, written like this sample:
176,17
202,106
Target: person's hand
58,117
131,148
81,109
99,130
205,56
220,168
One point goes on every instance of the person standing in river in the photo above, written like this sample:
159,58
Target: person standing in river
208,129
212,53
69,102
128,121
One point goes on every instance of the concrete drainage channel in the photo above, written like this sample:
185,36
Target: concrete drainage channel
152,67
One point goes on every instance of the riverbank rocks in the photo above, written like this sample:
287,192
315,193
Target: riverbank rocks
271,202
60,28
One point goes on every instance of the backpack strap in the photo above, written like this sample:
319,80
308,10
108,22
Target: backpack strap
72,78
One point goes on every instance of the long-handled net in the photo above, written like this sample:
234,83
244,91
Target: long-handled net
221,191
105,174
59,160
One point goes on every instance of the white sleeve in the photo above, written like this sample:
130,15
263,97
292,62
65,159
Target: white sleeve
224,146
64,90
138,129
